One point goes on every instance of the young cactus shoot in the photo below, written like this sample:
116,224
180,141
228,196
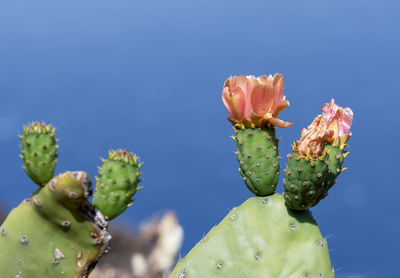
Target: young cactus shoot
38,151
119,176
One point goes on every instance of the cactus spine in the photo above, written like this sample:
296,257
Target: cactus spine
57,232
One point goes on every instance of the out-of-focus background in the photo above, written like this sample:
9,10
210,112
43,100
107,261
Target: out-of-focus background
148,76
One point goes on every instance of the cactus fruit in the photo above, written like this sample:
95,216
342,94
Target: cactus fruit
317,158
335,159
305,173
121,174
57,232
258,158
253,104
39,152
261,238
304,179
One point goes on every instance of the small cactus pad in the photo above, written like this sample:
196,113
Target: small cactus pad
308,180
257,153
261,238
334,159
38,151
119,176
304,181
55,233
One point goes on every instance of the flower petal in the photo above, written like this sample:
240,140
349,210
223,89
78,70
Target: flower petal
280,106
262,99
279,123
347,120
329,110
234,102
312,138
278,84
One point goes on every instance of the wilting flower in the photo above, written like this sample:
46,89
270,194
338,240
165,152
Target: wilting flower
332,127
312,141
339,121
254,100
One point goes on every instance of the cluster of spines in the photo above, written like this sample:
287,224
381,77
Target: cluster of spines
308,179
257,154
39,152
117,182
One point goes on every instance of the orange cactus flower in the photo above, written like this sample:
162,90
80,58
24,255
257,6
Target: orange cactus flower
255,101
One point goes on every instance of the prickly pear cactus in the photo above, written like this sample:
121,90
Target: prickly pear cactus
57,232
121,173
273,236
257,153
51,235
39,152
261,238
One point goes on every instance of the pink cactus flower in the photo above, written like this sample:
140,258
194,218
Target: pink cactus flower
339,121
312,141
255,101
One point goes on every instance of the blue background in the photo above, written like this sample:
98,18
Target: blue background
148,76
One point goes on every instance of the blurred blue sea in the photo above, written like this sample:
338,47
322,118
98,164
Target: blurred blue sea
148,76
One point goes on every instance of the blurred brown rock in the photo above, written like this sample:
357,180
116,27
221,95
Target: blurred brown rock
149,252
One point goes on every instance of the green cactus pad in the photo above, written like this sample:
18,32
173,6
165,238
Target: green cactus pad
335,161
335,158
261,238
257,153
119,176
38,148
304,179
55,233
